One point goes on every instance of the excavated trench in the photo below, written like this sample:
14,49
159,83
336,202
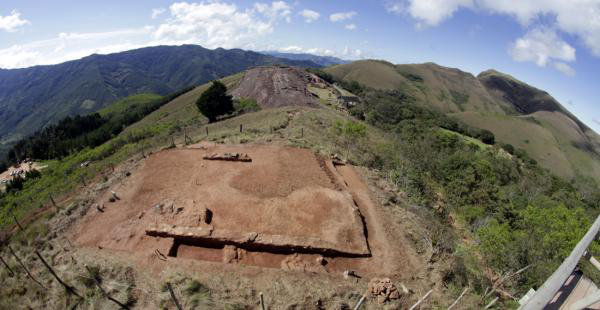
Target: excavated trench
267,254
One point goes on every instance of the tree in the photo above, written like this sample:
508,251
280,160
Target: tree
215,102
350,133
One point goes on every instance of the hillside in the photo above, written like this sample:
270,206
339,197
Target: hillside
35,97
515,112
167,200
324,61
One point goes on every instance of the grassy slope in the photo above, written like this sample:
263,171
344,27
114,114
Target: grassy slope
538,141
445,89
552,137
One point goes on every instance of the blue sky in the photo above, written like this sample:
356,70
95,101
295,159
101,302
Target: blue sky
552,44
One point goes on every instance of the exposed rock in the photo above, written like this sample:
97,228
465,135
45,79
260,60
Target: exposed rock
228,157
277,86
383,290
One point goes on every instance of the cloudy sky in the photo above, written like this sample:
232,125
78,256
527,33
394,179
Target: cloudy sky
551,44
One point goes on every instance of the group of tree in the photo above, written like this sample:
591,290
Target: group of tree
73,134
520,214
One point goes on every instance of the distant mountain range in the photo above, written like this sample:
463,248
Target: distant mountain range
517,113
324,61
32,98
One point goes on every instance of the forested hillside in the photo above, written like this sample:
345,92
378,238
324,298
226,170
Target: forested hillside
35,97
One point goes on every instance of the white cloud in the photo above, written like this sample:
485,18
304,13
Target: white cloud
350,26
541,45
12,22
310,16
337,17
157,12
217,24
580,18
564,68
395,7
277,9
69,46
345,53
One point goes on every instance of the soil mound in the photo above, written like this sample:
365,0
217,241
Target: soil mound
274,87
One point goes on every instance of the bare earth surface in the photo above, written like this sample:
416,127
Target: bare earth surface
288,221
276,87
284,209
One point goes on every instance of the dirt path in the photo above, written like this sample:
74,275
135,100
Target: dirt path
386,255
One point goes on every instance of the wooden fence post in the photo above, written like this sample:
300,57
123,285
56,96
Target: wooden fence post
103,291
173,296
23,265
67,287
240,127
458,299
262,302
302,134
16,221
360,301
206,130
421,300
12,274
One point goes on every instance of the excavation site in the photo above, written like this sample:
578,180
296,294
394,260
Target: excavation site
265,206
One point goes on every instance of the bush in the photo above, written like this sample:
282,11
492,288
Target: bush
215,102
245,105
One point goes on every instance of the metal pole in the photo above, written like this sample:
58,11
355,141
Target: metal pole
547,291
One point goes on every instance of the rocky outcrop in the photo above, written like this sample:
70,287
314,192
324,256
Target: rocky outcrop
278,86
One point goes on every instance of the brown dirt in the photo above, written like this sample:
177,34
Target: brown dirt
277,86
285,193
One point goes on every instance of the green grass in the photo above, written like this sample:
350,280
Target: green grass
467,139
128,102
542,145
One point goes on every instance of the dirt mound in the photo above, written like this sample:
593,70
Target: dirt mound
273,87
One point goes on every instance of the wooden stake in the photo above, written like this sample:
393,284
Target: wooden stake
25,268
206,130
359,303
421,300
173,296
491,303
458,299
12,274
67,287
123,306
262,302
240,127
52,200
16,221
302,134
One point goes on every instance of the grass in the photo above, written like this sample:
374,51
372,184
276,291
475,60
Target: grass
542,145
430,84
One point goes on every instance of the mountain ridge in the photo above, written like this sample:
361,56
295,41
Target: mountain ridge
31,98
516,112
